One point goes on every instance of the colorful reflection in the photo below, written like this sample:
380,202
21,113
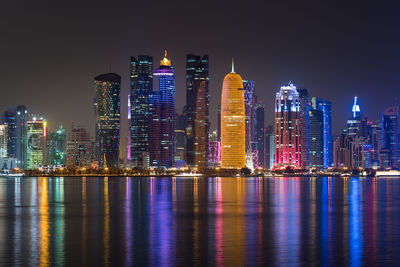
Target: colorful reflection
199,221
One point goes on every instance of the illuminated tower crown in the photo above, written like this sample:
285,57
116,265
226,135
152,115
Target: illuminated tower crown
165,61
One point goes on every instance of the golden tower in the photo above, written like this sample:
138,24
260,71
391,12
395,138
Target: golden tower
233,122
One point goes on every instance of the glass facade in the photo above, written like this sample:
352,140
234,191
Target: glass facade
36,143
390,136
166,91
287,129
141,82
108,101
55,148
316,138
326,107
197,110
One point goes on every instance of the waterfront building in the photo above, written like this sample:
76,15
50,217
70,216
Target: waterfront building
269,147
287,129
304,120
55,148
214,150
316,138
154,153
79,148
108,89
343,152
179,137
390,136
3,140
36,142
248,87
258,134
353,124
233,125
141,82
16,120
197,110
375,138
326,107
166,91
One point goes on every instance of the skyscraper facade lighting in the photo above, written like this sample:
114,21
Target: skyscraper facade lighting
108,90
197,110
287,128
233,124
141,87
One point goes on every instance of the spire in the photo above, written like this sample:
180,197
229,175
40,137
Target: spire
165,61
165,53
233,66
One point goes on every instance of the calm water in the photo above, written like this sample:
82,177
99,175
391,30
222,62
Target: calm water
200,221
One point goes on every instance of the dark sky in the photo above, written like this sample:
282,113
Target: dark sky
50,51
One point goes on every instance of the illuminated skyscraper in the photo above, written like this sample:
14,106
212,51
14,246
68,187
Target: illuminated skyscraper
36,142
390,136
55,148
233,126
248,87
316,138
16,119
269,147
196,110
3,140
287,128
258,134
180,137
79,148
166,91
108,88
326,107
141,88
304,117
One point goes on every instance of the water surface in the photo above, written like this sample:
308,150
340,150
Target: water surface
199,221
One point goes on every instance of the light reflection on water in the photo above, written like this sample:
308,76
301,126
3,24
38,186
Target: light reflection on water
215,221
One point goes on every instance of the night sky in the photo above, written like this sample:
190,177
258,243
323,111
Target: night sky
50,51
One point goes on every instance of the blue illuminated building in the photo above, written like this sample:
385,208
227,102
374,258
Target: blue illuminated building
16,120
326,107
166,91
390,136
141,87
108,101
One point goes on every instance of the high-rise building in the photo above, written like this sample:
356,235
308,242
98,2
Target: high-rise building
16,120
269,147
233,125
375,138
153,160
180,137
304,117
353,124
141,87
258,134
288,133
248,87
55,148
343,152
316,138
36,143
108,89
166,91
197,110
390,136
80,148
3,140
214,150
326,107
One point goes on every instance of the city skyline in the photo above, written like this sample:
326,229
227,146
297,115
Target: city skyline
279,51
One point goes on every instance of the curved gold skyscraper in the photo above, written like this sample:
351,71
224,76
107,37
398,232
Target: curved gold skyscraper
232,122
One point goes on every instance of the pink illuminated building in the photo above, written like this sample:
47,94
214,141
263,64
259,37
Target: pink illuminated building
287,128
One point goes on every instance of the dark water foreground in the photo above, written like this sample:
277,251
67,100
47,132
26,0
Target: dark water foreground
200,221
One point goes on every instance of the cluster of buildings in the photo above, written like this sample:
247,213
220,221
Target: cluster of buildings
160,137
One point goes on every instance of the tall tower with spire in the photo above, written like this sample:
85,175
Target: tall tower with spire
233,122
162,121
